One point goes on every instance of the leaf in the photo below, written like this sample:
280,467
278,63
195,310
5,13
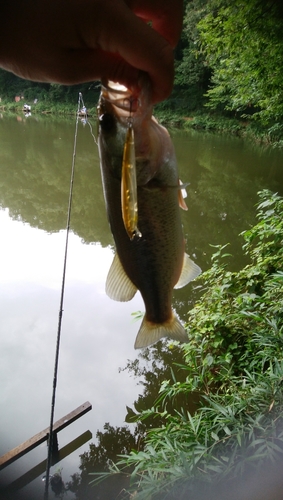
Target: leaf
214,436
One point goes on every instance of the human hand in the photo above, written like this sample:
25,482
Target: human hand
75,41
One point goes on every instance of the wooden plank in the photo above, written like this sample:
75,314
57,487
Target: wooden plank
39,469
42,436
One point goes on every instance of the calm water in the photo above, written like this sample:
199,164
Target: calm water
224,175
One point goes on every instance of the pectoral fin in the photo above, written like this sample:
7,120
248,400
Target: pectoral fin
190,271
118,286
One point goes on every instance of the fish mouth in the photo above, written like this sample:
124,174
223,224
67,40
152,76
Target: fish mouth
124,102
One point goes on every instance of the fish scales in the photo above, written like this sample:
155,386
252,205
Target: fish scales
153,262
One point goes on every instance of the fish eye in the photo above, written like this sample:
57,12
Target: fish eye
107,122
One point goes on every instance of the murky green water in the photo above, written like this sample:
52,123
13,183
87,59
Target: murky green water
224,175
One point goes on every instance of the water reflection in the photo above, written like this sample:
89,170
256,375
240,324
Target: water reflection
94,343
35,162
225,175
97,335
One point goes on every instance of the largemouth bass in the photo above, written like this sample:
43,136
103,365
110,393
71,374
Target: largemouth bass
150,248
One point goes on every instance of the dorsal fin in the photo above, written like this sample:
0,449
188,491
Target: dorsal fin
189,272
118,285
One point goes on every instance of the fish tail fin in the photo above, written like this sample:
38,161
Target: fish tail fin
149,332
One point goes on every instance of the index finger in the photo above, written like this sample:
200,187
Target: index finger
140,46
166,16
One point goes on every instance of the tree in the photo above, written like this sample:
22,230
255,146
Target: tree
191,70
191,74
242,43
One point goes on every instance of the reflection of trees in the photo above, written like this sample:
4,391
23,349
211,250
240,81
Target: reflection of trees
224,176
111,443
223,203
153,366
35,167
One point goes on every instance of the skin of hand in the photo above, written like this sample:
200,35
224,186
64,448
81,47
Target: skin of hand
75,41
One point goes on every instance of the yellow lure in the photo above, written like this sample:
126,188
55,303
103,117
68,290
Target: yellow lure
129,199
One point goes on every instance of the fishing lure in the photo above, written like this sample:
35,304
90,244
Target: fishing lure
129,198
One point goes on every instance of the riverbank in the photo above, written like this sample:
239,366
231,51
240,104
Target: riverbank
216,123
197,120
44,107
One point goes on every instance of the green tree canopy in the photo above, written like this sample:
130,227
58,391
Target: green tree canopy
243,44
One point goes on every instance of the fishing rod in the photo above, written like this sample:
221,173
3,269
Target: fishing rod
51,433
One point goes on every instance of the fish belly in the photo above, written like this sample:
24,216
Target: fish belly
153,262
158,257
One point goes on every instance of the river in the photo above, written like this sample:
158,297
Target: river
223,174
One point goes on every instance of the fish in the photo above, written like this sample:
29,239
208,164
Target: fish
150,246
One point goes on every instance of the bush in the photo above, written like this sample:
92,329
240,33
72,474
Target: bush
234,360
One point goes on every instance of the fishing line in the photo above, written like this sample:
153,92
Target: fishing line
89,124
51,433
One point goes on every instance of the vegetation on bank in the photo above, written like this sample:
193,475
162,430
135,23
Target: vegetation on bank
200,120
45,107
234,362
219,123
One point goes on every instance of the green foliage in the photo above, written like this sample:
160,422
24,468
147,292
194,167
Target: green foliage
234,360
190,68
242,43
11,86
215,123
191,73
